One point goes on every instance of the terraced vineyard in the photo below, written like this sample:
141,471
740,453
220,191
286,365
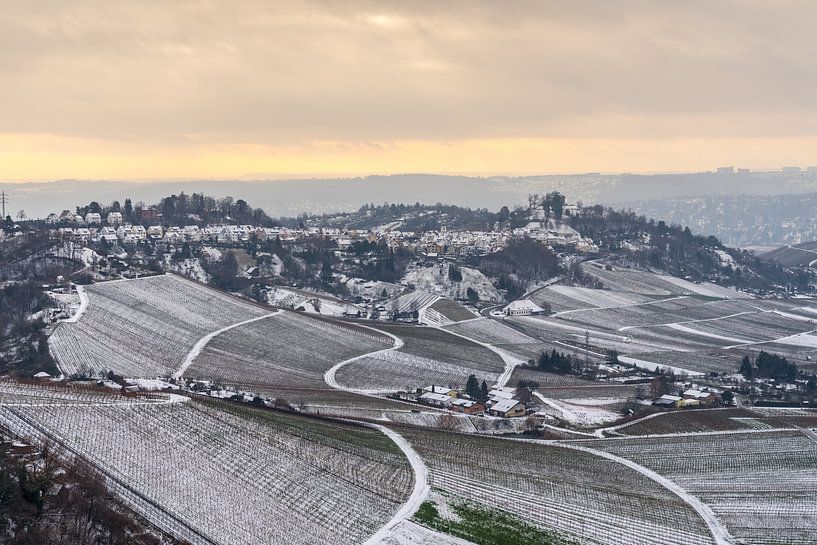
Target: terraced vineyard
435,344
702,420
144,327
391,371
657,320
490,332
229,474
761,485
590,498
648,283
452,310
287,349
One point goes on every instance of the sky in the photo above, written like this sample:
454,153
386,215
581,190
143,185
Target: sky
94,89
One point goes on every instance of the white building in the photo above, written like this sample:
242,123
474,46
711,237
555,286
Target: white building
522,307
115,218
93,217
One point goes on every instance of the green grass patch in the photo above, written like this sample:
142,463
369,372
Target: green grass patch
487,526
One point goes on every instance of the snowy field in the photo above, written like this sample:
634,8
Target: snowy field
648,283
701,421
762,485
489,331
234,475
439,345
655,320
144,327
287,349
393,370
590,498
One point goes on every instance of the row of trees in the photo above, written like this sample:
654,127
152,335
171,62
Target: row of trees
554,361
184,209
769,366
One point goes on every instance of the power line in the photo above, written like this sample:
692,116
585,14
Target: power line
4,199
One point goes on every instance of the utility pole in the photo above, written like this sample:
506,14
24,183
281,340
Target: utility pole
4,199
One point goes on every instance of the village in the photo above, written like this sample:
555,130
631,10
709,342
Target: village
93,227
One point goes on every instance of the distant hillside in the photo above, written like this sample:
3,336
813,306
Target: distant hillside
291,197
798,255
679,252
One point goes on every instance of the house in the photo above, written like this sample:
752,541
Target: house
155,232
174,235
148,214
114,218
507,408
522,307
436,400
92,218
498,394
702,397
82,234
467,406
445,390
107,234
192,233
668,401
344,243
52,219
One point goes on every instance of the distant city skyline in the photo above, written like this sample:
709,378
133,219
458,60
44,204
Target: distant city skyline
215,90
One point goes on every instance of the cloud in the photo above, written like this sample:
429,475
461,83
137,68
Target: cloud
191,75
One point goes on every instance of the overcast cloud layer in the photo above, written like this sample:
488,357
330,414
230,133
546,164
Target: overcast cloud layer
95,89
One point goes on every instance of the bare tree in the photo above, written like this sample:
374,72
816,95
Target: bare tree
21,215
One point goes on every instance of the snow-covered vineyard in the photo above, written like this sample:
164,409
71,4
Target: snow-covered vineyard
144,327
656,319
762,485
269,478
394,370
286,349
584,495
718,476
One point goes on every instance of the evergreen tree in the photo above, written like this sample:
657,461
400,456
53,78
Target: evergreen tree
472,387
545,363
746,368
483,391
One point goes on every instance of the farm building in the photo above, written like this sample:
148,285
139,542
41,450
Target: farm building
437,400
522,307
507,408
445,390
498,394
702,397
467,406
668,401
